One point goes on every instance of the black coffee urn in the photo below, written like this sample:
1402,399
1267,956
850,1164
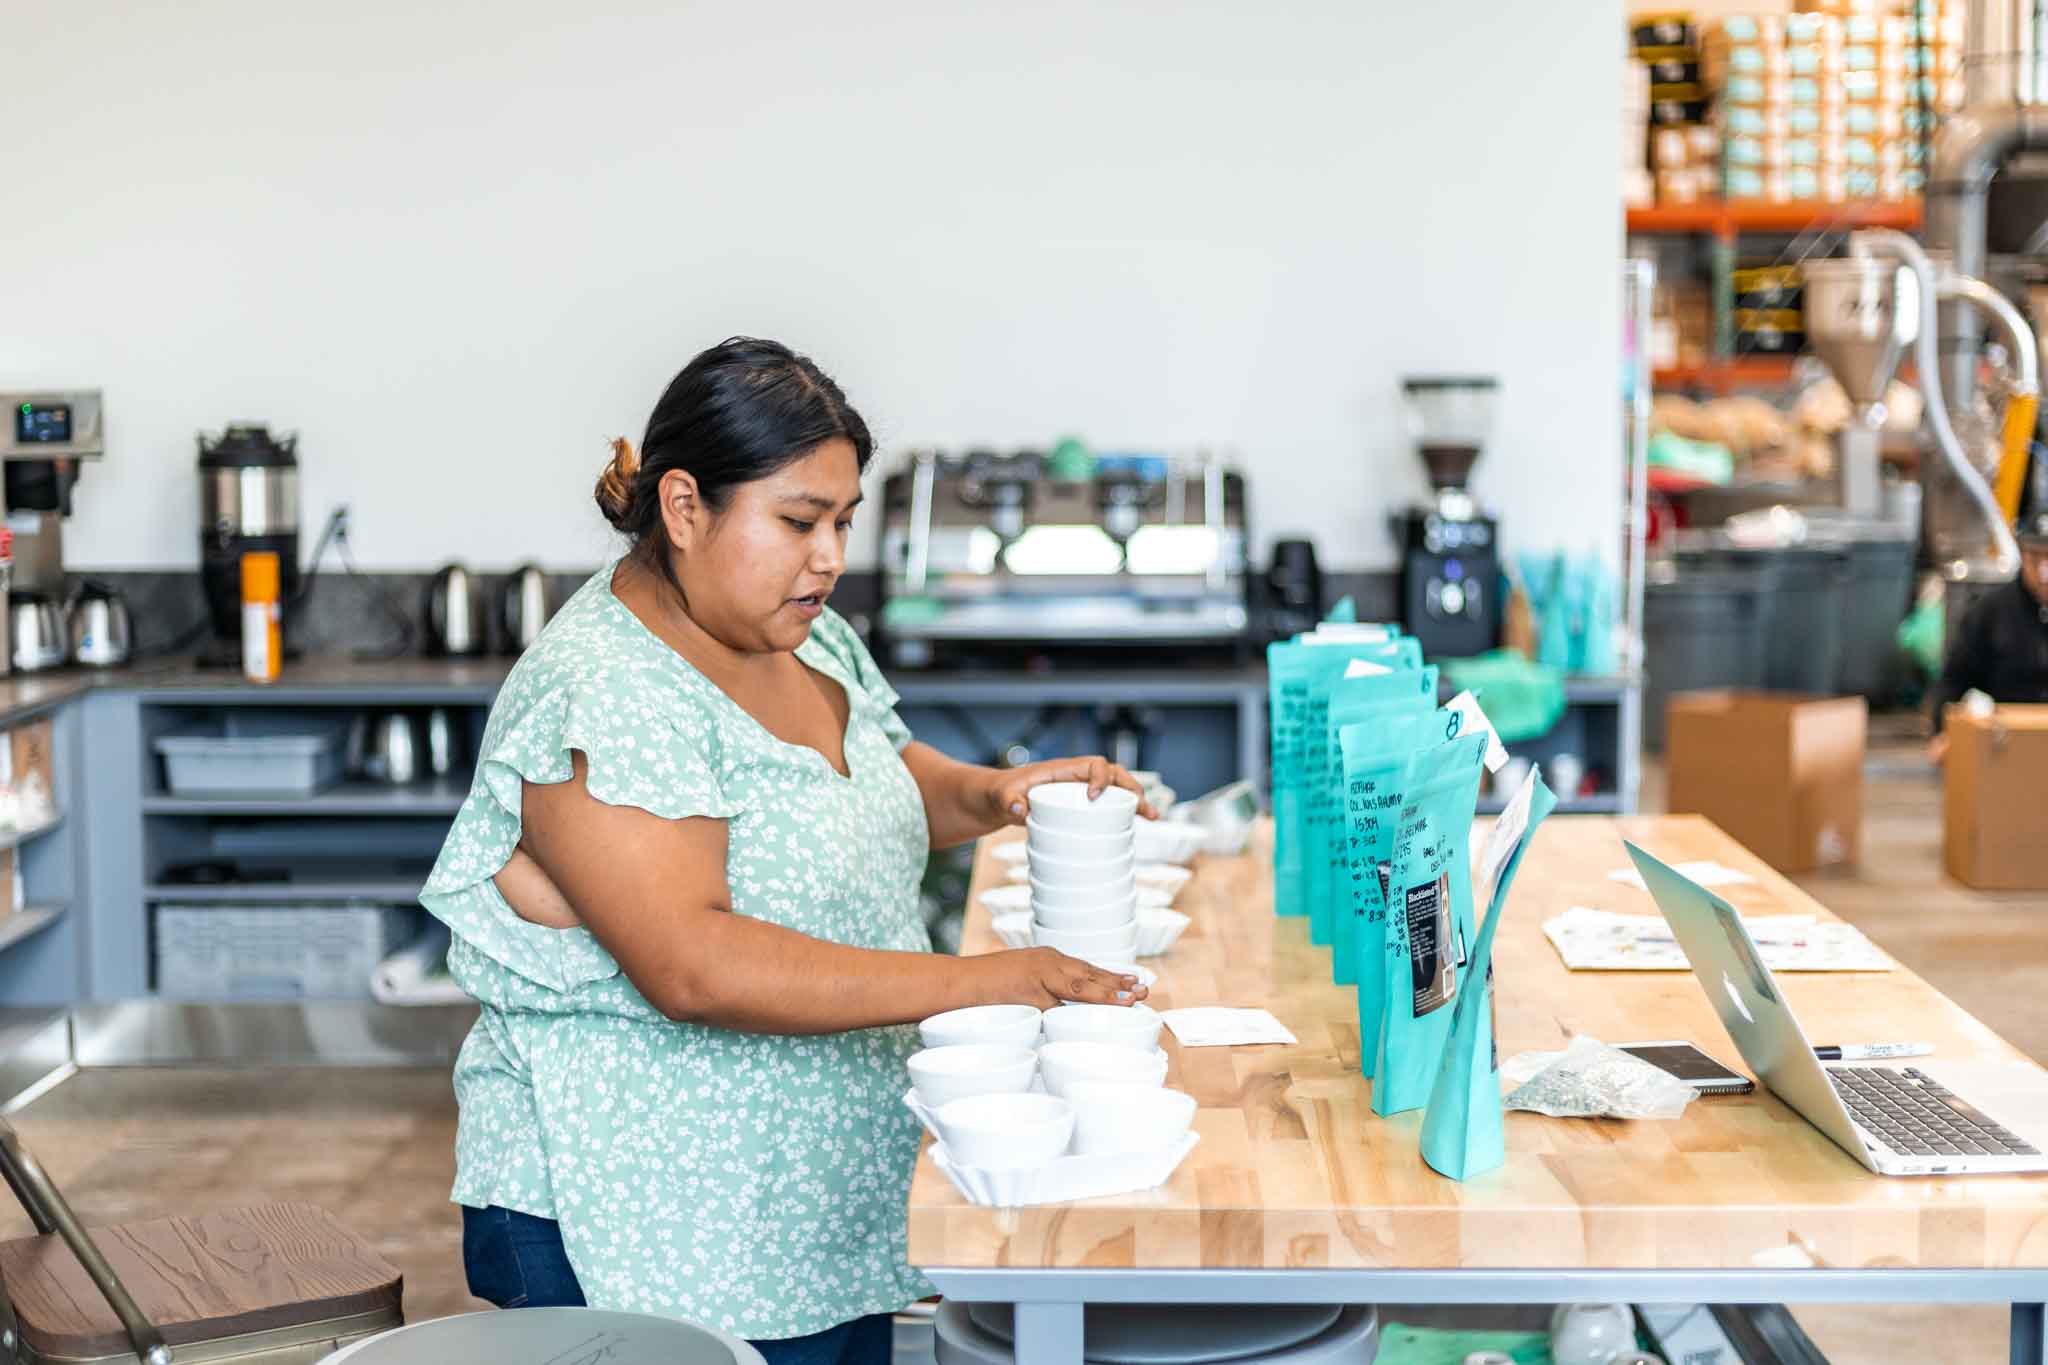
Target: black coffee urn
248,501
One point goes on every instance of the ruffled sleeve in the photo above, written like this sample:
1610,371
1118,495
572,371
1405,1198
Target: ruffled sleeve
642,749
839,640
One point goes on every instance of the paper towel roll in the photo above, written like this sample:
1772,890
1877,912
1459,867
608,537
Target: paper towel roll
417,974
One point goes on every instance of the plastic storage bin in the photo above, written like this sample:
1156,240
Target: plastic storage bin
1805,600
279,756
298,952
1880,593
1703,629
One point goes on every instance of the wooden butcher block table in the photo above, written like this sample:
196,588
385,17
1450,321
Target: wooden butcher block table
1298,1193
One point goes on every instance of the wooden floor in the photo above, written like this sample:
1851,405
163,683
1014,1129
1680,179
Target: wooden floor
375,1146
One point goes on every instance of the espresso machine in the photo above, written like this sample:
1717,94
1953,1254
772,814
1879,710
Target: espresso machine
999,556
1450,555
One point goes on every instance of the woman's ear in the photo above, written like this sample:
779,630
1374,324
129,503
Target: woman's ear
682,510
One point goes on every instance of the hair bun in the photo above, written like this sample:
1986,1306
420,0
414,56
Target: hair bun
614,492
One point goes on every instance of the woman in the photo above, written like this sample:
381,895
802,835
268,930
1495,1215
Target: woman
684,1094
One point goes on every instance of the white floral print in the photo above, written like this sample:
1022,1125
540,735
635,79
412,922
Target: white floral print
756,1183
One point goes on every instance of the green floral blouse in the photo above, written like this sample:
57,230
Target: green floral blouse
756,1183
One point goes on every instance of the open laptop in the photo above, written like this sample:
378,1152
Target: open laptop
1897,1120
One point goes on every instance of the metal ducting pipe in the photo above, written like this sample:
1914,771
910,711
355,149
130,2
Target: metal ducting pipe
2005,79
1970,149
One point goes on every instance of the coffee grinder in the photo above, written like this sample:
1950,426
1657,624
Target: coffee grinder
1450,561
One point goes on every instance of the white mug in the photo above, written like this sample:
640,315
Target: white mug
1567,772
1591,1333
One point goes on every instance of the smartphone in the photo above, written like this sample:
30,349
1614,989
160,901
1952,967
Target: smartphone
1692,1066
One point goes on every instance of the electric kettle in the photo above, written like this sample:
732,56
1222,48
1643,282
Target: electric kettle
393,754
523,608
36,636
454,613
101,633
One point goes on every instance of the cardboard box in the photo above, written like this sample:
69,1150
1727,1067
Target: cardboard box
28,775
1994,823
1780,771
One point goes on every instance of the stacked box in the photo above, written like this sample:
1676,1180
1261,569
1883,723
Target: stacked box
1934,56
1770,316
1810,106
1684,149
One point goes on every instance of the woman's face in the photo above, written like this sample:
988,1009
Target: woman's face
758,573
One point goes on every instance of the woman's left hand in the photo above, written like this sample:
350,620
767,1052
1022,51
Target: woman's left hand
1008,794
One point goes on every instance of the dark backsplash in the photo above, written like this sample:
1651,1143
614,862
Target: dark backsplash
360,613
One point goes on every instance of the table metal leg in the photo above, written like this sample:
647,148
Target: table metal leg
1049,1334
2028,1328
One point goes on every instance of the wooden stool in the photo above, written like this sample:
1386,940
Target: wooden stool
270,1284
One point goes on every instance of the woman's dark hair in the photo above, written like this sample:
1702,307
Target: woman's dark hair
738,412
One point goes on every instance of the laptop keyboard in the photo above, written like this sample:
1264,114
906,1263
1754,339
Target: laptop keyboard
1915,1115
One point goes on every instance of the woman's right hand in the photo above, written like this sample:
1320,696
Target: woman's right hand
1046,977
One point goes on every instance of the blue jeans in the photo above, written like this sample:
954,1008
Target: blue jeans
516,1260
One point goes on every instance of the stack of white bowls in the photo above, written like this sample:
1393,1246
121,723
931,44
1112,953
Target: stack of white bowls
1102,1068
1083,872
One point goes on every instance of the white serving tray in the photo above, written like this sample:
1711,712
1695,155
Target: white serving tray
1066,1177
1061,1179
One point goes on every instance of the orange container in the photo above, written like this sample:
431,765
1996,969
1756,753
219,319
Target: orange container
262,616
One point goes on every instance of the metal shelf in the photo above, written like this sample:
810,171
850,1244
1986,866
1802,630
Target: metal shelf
349,798
27,922
389,890
1729,217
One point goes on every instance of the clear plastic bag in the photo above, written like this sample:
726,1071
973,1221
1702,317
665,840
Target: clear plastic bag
1591,1080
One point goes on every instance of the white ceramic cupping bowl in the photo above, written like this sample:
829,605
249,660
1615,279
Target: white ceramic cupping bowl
1158,930
1005,1131
1044,895
944,1074
1006,1025
1107,914
1123,1118
1167,841
1115,944
1063,872
1132,1025
1066,806
1162,877
1041,841
1003,900
1113,1065
1012,930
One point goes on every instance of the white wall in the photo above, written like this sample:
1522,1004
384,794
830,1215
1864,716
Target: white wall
457,245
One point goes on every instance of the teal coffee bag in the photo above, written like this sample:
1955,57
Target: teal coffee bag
1367,667
1296,669
1369,700
1462,1133
1429,918
1375,757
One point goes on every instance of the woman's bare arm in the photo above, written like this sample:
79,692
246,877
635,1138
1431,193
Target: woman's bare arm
963,801
532,895
654,893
